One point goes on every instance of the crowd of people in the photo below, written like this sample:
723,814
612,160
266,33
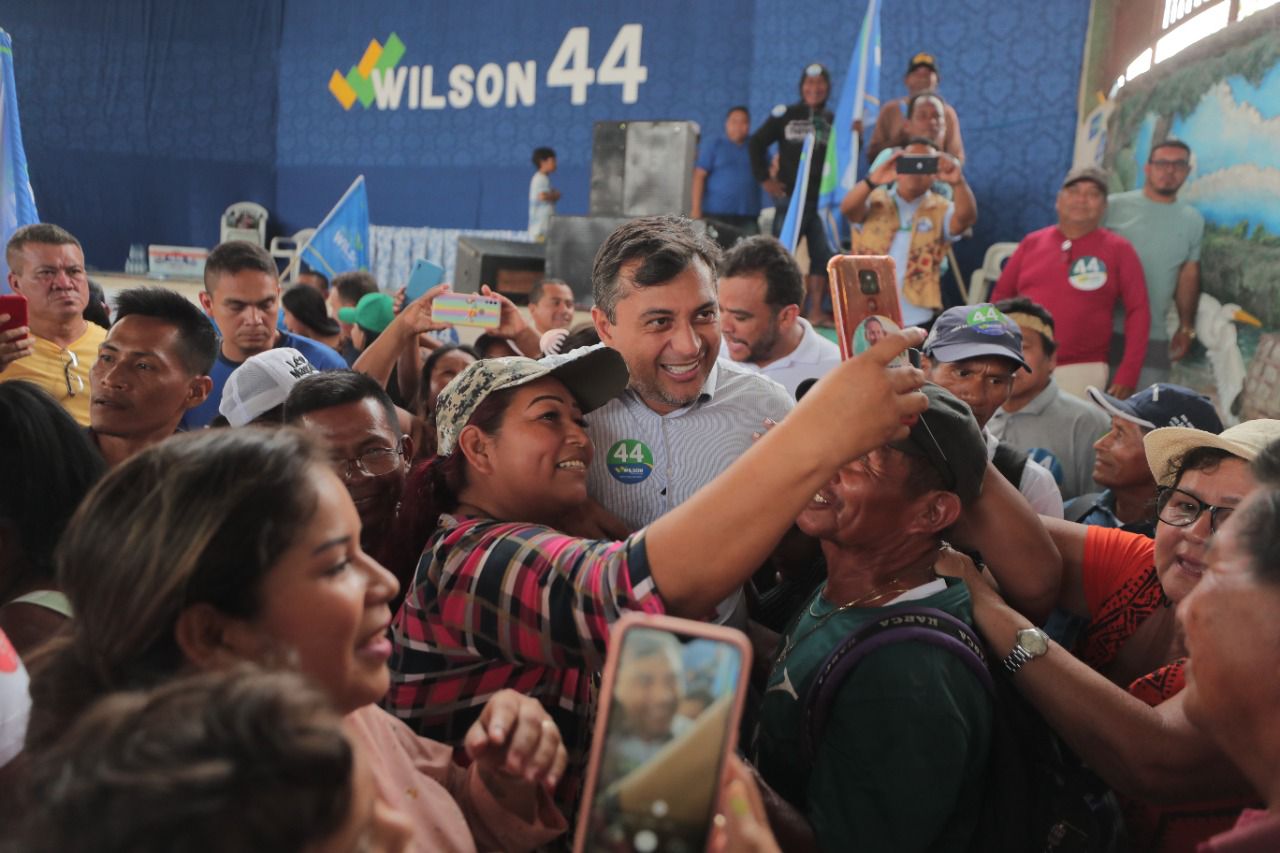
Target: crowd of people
302,571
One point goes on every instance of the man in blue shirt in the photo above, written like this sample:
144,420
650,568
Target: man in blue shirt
242,295
724,188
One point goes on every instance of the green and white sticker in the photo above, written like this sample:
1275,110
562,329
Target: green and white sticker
630,461
1087,273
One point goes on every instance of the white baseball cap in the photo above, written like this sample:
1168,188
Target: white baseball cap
262,383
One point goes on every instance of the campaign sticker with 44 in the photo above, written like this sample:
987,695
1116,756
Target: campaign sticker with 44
630,461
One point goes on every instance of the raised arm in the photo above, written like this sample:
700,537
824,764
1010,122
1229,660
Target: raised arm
1015,545
381,356
1153,754
709,545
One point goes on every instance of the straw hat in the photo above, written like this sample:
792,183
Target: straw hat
1166,446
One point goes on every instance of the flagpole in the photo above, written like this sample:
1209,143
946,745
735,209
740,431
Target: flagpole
357,182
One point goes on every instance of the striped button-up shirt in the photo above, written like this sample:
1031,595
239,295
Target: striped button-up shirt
646,463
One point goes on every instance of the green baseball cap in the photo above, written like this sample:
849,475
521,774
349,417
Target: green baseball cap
374,312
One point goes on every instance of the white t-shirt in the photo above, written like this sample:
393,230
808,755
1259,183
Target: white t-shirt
539,210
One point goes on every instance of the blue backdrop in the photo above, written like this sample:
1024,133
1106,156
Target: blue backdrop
144,120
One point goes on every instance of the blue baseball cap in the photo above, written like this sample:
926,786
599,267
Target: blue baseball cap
1162,405
972,331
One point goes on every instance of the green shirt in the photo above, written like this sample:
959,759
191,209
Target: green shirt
901,761
1166,236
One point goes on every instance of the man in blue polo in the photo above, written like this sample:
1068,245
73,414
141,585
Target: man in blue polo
724,188
685,416
242,295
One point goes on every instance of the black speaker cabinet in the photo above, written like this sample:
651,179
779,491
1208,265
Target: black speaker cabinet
642,168
572,242
510,267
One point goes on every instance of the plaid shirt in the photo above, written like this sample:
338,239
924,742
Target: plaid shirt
500,604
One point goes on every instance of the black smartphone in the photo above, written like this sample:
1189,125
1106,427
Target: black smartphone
917,164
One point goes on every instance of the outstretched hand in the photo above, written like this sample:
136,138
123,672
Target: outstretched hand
511,322
863,403
416,316
516,738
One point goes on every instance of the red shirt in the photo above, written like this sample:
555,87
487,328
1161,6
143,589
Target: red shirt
1080,286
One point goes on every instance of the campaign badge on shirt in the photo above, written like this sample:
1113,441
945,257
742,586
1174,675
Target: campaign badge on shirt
630,461
1087,273
924,226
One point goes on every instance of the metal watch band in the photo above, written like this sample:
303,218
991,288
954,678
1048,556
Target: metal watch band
1017,658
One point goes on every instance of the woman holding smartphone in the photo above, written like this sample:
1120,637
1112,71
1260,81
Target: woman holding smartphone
234,545
502,598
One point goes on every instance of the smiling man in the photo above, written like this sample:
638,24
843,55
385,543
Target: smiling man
57,346
355,417
685,417
761,291
242,295
151,370
1081,271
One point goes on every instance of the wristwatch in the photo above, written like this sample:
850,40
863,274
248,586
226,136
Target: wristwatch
870,183
1030,643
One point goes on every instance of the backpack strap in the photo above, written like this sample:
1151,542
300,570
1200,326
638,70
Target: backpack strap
1079,507
1010,461
921,624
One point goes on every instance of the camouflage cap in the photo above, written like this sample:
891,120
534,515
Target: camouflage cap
593,375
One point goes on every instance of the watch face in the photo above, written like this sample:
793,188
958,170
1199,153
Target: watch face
1034,641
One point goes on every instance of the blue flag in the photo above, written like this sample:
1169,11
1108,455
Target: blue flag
859,101
341,241
790,234
17,202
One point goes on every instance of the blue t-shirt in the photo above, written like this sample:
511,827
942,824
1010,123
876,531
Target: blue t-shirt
730,187
320,356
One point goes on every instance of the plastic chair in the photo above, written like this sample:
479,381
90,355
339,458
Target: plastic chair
992,263
287,248
245,220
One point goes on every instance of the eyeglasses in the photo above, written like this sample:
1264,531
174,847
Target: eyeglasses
72,364
1170,164
374,462
1181,509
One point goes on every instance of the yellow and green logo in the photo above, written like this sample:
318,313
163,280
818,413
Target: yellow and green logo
357,85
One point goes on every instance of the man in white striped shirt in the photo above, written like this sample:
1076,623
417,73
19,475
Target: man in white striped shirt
684,418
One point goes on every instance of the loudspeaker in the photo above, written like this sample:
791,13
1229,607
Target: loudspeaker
510,267
572,243
642,168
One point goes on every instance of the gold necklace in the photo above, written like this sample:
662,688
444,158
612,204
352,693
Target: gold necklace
893,585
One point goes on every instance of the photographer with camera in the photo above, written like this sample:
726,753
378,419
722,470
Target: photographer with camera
910,222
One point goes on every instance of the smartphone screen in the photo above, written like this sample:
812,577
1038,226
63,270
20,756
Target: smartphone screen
672,707
15,305
917,164
425,276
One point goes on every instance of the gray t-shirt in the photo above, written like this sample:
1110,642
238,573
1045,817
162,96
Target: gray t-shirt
1166,236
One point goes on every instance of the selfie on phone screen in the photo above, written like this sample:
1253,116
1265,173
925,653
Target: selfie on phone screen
672,712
